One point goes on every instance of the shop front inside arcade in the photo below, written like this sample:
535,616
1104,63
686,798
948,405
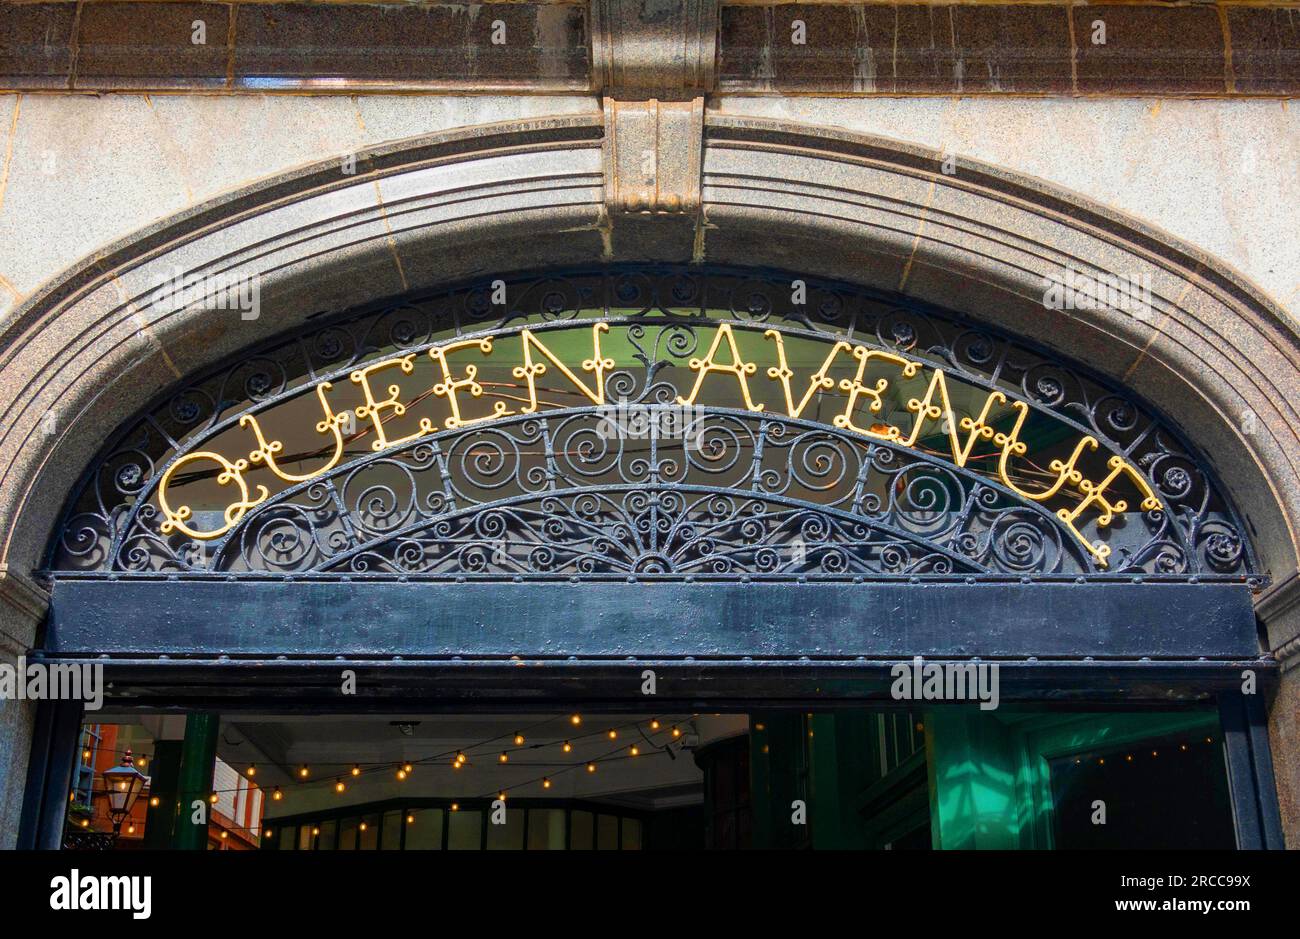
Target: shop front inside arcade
849,779
644,558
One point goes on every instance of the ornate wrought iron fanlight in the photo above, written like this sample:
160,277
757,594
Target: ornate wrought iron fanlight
664,422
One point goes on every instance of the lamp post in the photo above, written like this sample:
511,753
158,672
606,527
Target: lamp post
124,784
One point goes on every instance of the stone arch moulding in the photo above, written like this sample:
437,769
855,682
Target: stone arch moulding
1214,354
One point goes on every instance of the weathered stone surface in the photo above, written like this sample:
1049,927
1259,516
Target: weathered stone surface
1230,190
666,49
1265,49
1012,48
36,45
486,46
155,45
85,173
1149,50
1284,740
923,49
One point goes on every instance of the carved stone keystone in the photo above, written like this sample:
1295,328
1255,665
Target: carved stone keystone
652,156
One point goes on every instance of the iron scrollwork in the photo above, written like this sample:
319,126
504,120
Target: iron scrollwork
735,490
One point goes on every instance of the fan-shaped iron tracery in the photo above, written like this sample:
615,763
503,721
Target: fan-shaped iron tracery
617,468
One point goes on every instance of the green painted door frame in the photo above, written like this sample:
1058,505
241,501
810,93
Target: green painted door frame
778,769
164,774
194,782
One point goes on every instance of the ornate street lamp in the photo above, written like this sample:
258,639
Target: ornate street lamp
124,784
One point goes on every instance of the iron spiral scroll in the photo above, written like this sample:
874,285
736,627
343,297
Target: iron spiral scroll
732,493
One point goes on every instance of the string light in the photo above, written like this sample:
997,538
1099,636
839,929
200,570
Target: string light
502,795
130,829
364,826
224,835
315,832
455,806
460,760
410,819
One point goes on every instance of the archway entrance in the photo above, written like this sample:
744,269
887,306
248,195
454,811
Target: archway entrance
782,510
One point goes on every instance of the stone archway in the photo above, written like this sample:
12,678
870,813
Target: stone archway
1215,355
